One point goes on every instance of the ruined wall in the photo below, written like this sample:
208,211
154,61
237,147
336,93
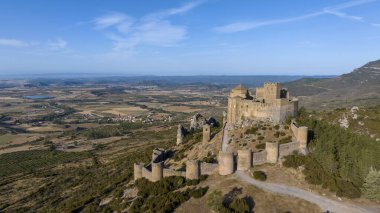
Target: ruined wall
259,158
208,168
288,148
244,160
171,172
146,173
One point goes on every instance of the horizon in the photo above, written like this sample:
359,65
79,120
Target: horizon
188,38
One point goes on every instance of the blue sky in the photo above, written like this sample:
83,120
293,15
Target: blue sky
205,37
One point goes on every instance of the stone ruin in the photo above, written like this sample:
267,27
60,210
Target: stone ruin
229,162
155,170
197,122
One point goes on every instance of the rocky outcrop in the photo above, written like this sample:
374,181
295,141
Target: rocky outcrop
198,121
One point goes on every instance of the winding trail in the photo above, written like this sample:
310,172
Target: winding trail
323,202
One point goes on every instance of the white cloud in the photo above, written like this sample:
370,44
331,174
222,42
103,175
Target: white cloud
152,29
57,44
375,25
111,19
342,15
14,43
335,10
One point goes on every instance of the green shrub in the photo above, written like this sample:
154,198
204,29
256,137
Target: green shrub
260,146
294,161
263,128
260,175
260,138
277,127
277,134
239,205
251,130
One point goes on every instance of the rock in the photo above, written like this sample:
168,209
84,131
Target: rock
197,122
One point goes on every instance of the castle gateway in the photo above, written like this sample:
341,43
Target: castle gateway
271,103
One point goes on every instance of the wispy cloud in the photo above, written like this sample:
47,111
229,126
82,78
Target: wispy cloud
57,44
375,25
14,42
152,29
334,10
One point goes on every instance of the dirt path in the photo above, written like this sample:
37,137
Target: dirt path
323,202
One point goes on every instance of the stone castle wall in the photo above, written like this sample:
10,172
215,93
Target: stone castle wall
259,158
288,148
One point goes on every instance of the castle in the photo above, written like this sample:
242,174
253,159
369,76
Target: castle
271,103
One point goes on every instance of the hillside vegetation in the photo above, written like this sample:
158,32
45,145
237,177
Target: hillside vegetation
339,160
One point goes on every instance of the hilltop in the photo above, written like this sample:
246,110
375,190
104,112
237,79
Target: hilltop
359,87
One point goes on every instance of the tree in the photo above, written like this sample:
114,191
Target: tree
371,186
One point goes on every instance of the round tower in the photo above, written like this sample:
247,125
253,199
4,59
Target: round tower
302,136
226,163
206,133
137,170
193,169
180,134
244,161
272,152
157,172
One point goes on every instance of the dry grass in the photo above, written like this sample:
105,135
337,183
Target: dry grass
263,201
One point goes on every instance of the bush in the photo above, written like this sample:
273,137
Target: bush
371,186
260,146
209,159
251,130
260,138
277,134
260,175
277,127
294,161
263,128
240,205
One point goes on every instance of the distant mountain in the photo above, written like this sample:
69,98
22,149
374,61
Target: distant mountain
359,87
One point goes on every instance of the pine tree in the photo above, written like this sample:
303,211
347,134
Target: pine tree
371,186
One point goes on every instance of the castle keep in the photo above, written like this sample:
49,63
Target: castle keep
271,103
